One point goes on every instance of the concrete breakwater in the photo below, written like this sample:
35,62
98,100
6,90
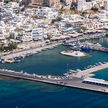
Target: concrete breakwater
67,81
92,69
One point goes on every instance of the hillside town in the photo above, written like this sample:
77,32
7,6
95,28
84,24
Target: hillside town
26,24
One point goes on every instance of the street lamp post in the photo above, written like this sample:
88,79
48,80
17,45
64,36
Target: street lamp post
67,67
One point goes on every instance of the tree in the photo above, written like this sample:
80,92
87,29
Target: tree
1,47
73,6
61,10
81,30
7,1
12,46
56,20
88,0
84,13
8,38
49,37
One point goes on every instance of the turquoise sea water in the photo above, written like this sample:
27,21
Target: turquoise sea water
28,94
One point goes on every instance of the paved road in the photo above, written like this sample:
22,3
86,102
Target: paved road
23,51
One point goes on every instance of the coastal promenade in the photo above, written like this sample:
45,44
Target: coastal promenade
23,53
35,49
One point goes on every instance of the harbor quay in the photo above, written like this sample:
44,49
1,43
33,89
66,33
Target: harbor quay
69,80
25,52
9,57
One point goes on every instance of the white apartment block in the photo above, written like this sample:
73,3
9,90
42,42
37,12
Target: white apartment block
46,12
106,6
81,5
68,4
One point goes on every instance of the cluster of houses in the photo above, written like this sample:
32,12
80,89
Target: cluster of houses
24,25
34,24
84,5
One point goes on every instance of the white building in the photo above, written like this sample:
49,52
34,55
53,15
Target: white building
104,3
27,36
46,13
13,5
106,6
68,4
39,33
81,5
89,5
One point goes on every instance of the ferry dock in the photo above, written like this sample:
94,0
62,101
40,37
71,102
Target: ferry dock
69,80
